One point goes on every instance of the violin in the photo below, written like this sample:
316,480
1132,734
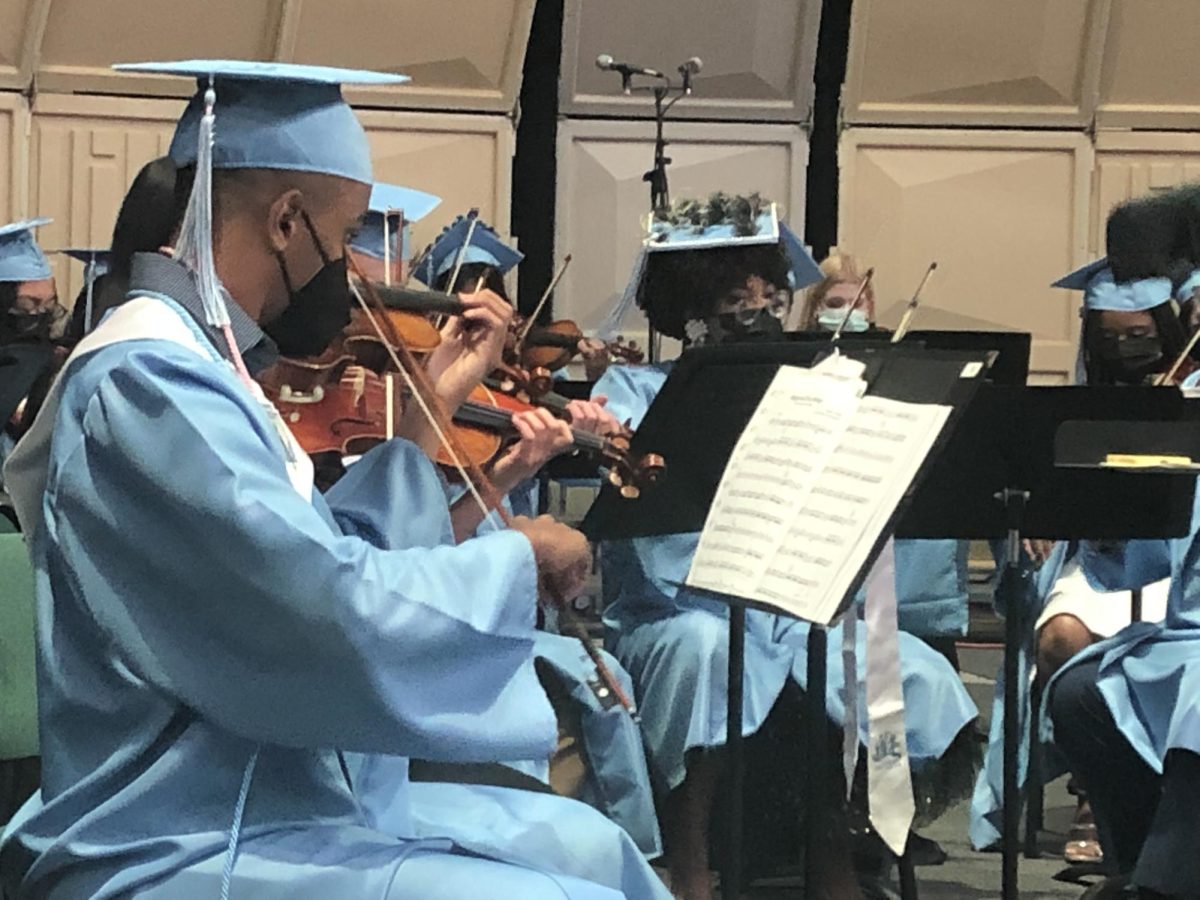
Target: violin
361,409
479,487
407,313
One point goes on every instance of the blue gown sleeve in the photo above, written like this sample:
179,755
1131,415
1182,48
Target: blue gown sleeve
216,582
393,497
1124,565
630,391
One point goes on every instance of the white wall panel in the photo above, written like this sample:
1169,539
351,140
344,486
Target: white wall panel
14,156
1003,213
602,200
974,62
1149,78
758,60
461,54
84,152
465,160
1133,164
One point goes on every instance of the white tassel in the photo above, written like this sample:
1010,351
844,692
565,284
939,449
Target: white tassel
196,238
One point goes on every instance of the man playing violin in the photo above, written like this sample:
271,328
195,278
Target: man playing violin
189,577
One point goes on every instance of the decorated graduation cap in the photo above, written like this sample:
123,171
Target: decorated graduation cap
21,259
96,262
468,239
1101,292
721,220
385,233
258,115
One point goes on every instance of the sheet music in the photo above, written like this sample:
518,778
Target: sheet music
809,488
795,429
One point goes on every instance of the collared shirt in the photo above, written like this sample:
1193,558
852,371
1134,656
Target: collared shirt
155,273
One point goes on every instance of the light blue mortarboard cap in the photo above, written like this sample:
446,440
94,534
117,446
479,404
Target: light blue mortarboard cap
274,116
1183,293
390,201
1101,293
1078,280
1104,294
486,247
805,270
97,260
21,259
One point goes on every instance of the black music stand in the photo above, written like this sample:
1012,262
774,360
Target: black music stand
1025,461
695,422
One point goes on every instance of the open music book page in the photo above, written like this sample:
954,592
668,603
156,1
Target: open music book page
809,488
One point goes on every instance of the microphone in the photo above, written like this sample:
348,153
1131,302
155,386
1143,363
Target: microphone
689,69
606,63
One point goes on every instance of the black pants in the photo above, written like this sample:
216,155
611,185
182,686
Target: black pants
1147,822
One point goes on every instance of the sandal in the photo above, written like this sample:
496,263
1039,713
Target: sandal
1083,845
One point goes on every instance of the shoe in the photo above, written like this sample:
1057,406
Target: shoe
1083,845
925,851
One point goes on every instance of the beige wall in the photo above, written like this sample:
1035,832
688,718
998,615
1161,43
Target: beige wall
941,159
72,154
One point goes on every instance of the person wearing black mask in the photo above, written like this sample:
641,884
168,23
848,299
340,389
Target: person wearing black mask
722,271
1131,332
29,315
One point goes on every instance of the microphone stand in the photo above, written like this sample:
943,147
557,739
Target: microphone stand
660,193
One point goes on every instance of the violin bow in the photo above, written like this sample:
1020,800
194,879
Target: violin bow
911,309
473,215
862,289
477,483
1165,377
562,270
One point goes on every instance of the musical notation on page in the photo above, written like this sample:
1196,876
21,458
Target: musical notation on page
809,488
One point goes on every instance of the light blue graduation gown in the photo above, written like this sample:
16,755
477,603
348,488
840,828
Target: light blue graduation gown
987,806
931,587
194,610
1149,670
539,830
674,642
618,779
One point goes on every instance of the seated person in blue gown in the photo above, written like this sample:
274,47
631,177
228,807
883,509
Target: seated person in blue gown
1130,334
600,758
1124,710
209,628
29,312
673,641
931,576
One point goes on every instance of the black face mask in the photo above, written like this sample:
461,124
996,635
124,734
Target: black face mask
727,328
1131,360
318,311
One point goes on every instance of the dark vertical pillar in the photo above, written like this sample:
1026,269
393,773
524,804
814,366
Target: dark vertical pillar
534,165
821,214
